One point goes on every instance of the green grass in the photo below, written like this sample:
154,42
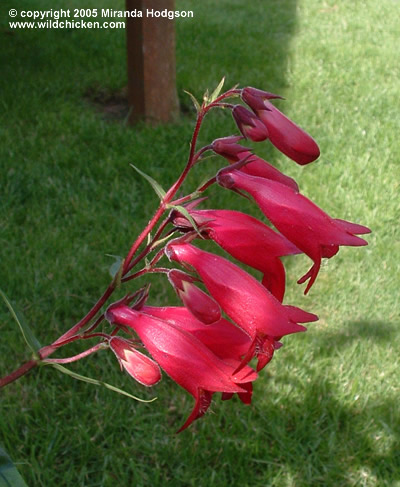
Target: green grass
325,411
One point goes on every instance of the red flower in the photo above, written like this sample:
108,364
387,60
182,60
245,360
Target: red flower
184,358
234,152
284,134
247,302
250,126
200,304
138,366
226,340
223,338
300,220
248,240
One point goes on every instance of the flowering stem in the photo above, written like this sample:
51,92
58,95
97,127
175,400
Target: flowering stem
68,360
130,261
16,374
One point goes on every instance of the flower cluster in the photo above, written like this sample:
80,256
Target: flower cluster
227,317
200,349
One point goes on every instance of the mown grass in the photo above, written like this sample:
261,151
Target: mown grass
325,410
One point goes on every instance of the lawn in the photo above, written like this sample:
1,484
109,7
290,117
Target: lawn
325,411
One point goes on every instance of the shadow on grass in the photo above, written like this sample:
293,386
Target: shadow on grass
378,332
323,441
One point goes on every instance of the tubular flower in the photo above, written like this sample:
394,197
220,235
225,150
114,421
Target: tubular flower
200,304
138,366
284,134
248,240
300,220
226,340
247,302
184,358
232,151
250,126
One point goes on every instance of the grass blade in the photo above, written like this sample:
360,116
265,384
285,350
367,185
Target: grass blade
30,339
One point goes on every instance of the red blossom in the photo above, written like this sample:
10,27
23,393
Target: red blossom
300,220
246,301
200,304
249,125
234,152
248,240
138,365
284,134
184,358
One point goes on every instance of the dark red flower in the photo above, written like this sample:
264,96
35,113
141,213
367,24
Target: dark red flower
232,151
286,136
249,125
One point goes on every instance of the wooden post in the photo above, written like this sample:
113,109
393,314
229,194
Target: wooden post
151,63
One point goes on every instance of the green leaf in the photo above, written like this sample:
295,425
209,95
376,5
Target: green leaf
32,342
195,102
206,97
217,90
157,188
95,382
9,475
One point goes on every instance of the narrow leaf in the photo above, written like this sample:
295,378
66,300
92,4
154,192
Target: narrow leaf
195,102
157,188
217,90
189,217
96,382
32,342
206,97
9,475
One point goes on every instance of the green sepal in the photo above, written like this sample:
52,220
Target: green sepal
217,90
30,339
187,215
157,188
195,102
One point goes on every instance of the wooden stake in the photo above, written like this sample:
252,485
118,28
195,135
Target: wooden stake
151,63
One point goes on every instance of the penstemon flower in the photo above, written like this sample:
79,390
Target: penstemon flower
248,240
228,317
297,218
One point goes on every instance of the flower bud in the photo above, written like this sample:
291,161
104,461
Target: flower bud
249,125
139,366
200,304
